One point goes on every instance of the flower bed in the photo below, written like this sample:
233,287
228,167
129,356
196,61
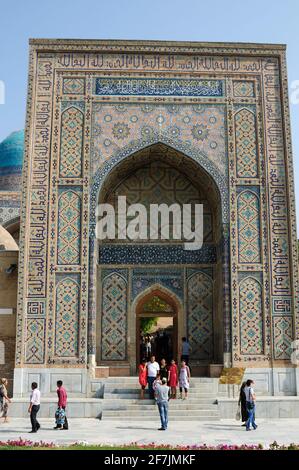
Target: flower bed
22,444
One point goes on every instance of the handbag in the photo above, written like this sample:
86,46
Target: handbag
238,414
60,416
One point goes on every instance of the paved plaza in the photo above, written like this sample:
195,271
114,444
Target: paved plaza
94,431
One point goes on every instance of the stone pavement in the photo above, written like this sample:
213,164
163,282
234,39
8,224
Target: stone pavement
94,431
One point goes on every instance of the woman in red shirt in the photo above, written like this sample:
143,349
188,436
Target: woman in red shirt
173,378
142,377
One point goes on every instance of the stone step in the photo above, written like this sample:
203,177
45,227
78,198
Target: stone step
136,396
153,419
130,383
147,402
131,388
150,407
170,413
135,377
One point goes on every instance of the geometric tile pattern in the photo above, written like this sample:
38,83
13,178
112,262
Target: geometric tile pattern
36,307
114,318
67,317
199,126
283,327
200,315
35,341
251,316
69,228
72,122
160,183
249,239
73,86
243,89
143,254
144,278
246,146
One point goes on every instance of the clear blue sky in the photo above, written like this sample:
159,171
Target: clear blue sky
275,21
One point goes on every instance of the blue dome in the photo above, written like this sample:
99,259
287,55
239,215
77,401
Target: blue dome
11,150
11,161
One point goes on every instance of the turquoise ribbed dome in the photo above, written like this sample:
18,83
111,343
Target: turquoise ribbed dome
11,150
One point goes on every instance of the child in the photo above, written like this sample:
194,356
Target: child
184,380
173,378
142,377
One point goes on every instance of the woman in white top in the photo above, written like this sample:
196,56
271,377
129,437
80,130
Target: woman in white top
184,380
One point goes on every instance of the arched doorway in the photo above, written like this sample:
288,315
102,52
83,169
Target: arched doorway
126,269
158,316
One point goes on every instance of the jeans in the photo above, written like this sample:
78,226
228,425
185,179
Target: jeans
163,410
34,423
150,381
251,415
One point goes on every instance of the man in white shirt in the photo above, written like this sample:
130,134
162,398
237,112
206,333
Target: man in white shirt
34,407
152,370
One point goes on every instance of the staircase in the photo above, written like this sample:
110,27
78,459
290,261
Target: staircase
122,401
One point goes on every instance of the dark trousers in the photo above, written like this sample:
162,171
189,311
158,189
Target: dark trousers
150,381
34,423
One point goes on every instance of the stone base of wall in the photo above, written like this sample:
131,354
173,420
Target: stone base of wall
266,407
74,379
278,381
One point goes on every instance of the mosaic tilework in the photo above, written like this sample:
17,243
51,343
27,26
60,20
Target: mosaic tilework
69,228
37,307
35,341
243,89
155,254
200,315
73,86
158,87
198,126
246,148
72,122
67,317
11,178
114,318
251,317
282,306
9,212
160,183
172,279
282,336
249,227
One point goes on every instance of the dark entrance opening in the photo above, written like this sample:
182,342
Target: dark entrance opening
156,329
156,337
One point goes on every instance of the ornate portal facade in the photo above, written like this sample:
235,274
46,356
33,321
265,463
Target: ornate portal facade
156,122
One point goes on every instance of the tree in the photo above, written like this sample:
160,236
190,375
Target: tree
147,323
